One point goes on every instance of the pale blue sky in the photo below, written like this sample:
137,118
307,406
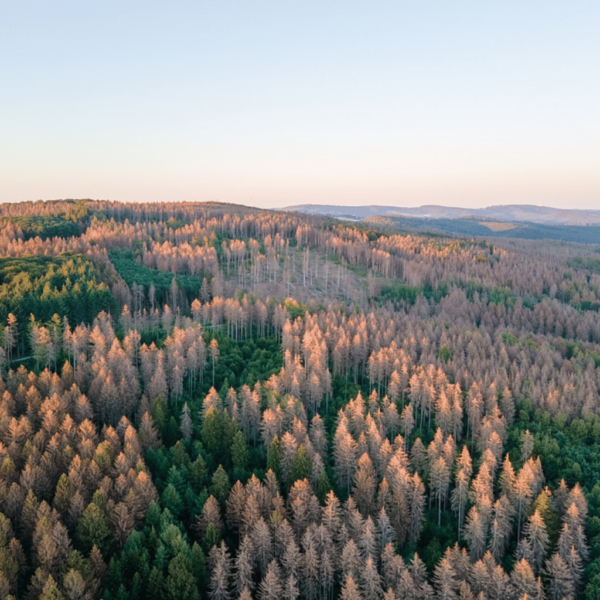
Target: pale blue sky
279,103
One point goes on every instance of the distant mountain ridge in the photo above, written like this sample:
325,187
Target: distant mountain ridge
519,213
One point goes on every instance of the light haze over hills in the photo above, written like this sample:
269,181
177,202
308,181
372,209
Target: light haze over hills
510,212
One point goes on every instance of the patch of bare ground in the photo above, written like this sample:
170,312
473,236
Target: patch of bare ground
497,226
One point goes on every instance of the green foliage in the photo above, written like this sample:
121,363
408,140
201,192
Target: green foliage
294,308
239,452
159,413
300,465
592,590
198,565
220,485
324,486
71,223
170,432
588,264
133,272
172,500
274,456
570,452
246,361
173,223
212,431
8,565
153,514
198,472
509,339
93,529
180,456
155,587
51,591
161,555
491,295
67,285
445,354
551,519
399,293
218,430
180,583
211,537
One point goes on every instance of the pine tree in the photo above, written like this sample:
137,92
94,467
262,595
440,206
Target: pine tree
211,515
560,580
270,587
236,503
263,545
444,580
368,539
51,591
385,531
465,592
187,425
416,508
351,562
221,573
291,559
522,580
310,567
526,446
180,583
501,526
245,594
459,497
171,499
350,590
220,485
371,581
345,455
572,533
575,567
365,483
156,583
300,466
122,522
389,594
147,434
439,481
243,566
239,452
213,348
275,456
522,493
507,476
475,533
537,541
290,589
93,529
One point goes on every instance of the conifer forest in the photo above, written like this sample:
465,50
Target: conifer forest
207,401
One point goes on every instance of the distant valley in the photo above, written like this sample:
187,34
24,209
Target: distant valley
511,221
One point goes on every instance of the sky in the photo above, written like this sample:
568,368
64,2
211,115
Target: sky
279,103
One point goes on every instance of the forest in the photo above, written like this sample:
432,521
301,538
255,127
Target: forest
201,400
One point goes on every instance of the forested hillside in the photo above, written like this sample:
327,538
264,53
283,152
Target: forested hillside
212,401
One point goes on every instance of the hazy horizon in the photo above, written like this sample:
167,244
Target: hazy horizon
271,105
340,204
